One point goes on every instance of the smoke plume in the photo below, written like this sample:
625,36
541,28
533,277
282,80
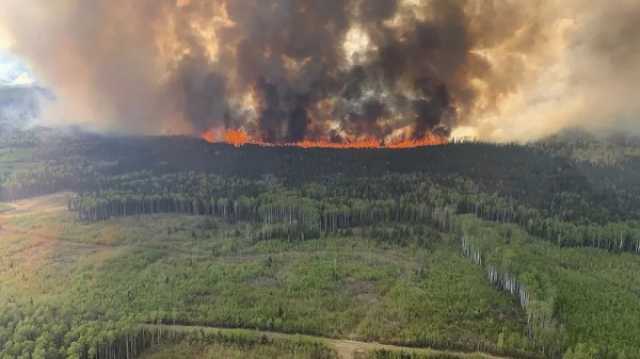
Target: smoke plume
336,70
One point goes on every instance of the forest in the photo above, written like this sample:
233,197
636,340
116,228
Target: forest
112,245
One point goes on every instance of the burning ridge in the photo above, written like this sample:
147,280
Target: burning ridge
239,138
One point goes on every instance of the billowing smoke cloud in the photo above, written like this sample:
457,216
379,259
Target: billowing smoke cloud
288,70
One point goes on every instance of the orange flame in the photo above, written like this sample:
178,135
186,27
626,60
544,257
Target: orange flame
236,137
363,143
428,140
209,136
239,138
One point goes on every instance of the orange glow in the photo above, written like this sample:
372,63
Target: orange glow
364,143
428,140
209,136
238,138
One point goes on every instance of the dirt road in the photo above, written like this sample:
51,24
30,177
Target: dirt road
346,349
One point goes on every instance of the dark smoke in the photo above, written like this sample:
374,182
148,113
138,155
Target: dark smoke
280,69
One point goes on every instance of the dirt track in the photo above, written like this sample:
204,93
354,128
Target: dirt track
346,349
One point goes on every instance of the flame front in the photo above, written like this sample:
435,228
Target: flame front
209,136
238,137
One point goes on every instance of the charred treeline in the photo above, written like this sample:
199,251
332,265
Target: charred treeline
543,329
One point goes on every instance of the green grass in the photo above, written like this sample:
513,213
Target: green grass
447,298
334,287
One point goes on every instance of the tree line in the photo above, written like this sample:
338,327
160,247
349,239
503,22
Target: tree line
44,331
319,208
544,330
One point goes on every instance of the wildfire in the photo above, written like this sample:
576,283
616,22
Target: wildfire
428,140
364,143
209,136
238,138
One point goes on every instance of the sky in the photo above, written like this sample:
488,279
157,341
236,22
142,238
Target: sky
13,70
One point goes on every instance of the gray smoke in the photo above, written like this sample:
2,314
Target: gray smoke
288,70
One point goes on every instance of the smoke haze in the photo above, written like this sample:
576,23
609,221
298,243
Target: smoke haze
336,70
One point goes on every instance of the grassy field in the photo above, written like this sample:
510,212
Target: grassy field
195,270
200,271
